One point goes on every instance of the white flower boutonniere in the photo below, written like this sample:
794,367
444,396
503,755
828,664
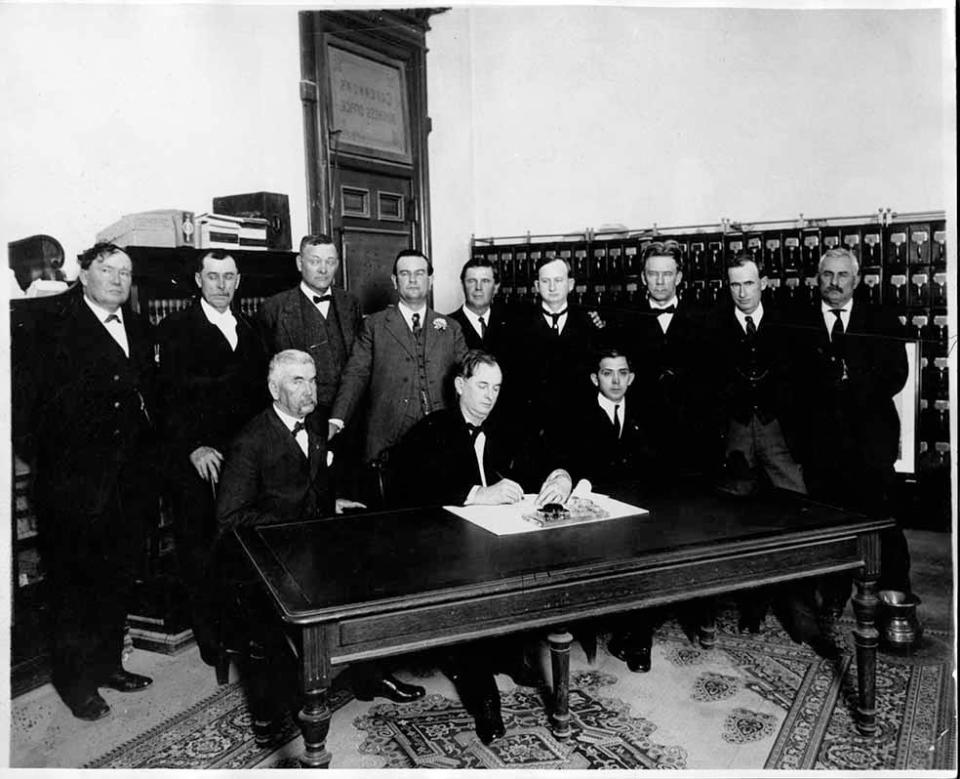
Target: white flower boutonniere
440,324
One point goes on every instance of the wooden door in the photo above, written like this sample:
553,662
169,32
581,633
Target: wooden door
365,124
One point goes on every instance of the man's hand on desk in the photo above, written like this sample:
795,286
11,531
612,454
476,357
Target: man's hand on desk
556,488
504,491
342,505
207,461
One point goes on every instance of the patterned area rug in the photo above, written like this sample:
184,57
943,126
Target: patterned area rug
753,701
215,733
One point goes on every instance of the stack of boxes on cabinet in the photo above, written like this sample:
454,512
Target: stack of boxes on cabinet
903,265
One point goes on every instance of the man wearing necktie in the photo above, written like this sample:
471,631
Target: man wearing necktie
853,363
664,337
548,360
96,485
484,325
610,444
212,364
276,471
459,456
315,316
752,380
402,365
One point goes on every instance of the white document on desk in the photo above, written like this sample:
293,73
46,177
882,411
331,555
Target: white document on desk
507,520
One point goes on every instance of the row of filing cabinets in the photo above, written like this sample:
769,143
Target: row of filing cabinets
902,265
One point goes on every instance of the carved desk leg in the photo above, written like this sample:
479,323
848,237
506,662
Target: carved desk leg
315,714
560,661
865,634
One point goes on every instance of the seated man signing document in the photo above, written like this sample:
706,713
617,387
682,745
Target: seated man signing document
469,464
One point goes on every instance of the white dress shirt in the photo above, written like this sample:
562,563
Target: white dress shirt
609,407
474,319
479,445
407,313
115,327
756,316
829,317
664,320
226,322
324,307
302,439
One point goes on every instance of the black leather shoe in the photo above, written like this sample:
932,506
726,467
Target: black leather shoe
90,708
487,719
638,659
390,688
125,681
617,646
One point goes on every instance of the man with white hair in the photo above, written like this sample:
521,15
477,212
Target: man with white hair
276,471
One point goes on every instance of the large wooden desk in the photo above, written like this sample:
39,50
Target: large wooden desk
372,585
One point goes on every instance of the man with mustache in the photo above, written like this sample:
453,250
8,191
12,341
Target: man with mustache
853,360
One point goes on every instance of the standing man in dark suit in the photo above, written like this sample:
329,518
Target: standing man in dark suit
471,463
751,380
95,490
550,355
315,316
403,362
276,471
484,327
853,362
212,366
664,335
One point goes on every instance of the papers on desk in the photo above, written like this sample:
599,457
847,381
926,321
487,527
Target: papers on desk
508,520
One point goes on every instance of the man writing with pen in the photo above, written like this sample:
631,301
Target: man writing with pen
452,457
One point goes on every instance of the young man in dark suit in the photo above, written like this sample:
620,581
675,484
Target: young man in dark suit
609,444
484,326
853,362
470,462
664,337
402,363
276,471
315,316
212,369
96,486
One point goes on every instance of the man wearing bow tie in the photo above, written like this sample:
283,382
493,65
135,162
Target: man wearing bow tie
470,461
315,316
549,359
276,471
96,486
664,336
403,364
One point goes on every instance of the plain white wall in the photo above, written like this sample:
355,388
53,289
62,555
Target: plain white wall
545,118
584,116
108,110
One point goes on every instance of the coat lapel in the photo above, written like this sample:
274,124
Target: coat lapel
397,327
